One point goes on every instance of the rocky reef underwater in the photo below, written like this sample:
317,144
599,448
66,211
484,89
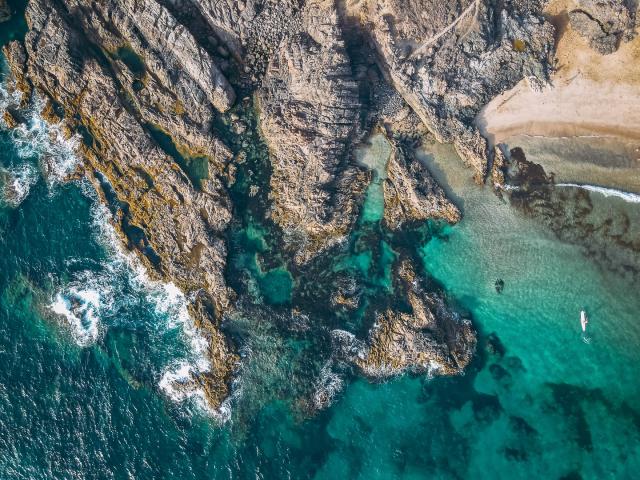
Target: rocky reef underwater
262,157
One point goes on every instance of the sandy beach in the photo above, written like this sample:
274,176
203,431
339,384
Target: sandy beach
585,126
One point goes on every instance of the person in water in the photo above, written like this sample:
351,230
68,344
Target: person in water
499,285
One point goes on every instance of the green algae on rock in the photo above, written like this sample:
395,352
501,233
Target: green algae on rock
152,87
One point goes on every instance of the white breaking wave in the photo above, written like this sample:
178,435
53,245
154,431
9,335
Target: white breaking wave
81,307
607,192
91,296
94,296
177,380
35,138
327,386
17,182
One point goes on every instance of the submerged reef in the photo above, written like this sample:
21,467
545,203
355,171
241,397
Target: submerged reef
608,237
430,338
5,11
229,130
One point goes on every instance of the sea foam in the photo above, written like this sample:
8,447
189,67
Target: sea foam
607,192
170,304
327,386
81,309
91,296
17,182
34,138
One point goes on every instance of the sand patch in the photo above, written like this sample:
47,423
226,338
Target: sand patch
591,96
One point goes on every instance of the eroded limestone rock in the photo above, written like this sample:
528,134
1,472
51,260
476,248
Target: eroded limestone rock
309,116
174,224
448,59
411,194
144,82
603,23
430,338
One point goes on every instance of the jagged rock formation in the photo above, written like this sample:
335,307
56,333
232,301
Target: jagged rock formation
121,70
429,339
310,114
252,29
5,11
145,83
411,194
603,23
448,59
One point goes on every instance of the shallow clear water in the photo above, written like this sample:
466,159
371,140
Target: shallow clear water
81,393
375,155
581,398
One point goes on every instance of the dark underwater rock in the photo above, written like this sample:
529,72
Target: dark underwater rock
173,224
431,338
151,87
606,236
5,11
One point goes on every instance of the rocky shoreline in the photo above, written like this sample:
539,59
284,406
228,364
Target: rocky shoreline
153,90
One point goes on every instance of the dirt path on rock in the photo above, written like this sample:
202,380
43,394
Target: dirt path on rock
475,6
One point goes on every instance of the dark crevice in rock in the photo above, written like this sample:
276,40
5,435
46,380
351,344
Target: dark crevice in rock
132,60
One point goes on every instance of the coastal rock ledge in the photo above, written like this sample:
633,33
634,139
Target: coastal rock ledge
151,87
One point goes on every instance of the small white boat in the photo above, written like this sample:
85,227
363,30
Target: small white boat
583,320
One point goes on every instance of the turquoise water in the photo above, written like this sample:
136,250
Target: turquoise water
375,155
81,394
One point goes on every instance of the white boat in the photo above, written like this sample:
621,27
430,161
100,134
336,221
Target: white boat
583,320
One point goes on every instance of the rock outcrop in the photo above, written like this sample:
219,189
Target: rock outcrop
448,59
603,23
309,117
146,84
430,338
252,29
119,70
411,194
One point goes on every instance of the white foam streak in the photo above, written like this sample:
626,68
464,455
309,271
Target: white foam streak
607,192
18,183
35,138
80,308
177,381
89,298
327,386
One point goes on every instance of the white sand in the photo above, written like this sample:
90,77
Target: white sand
592,97
582,107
